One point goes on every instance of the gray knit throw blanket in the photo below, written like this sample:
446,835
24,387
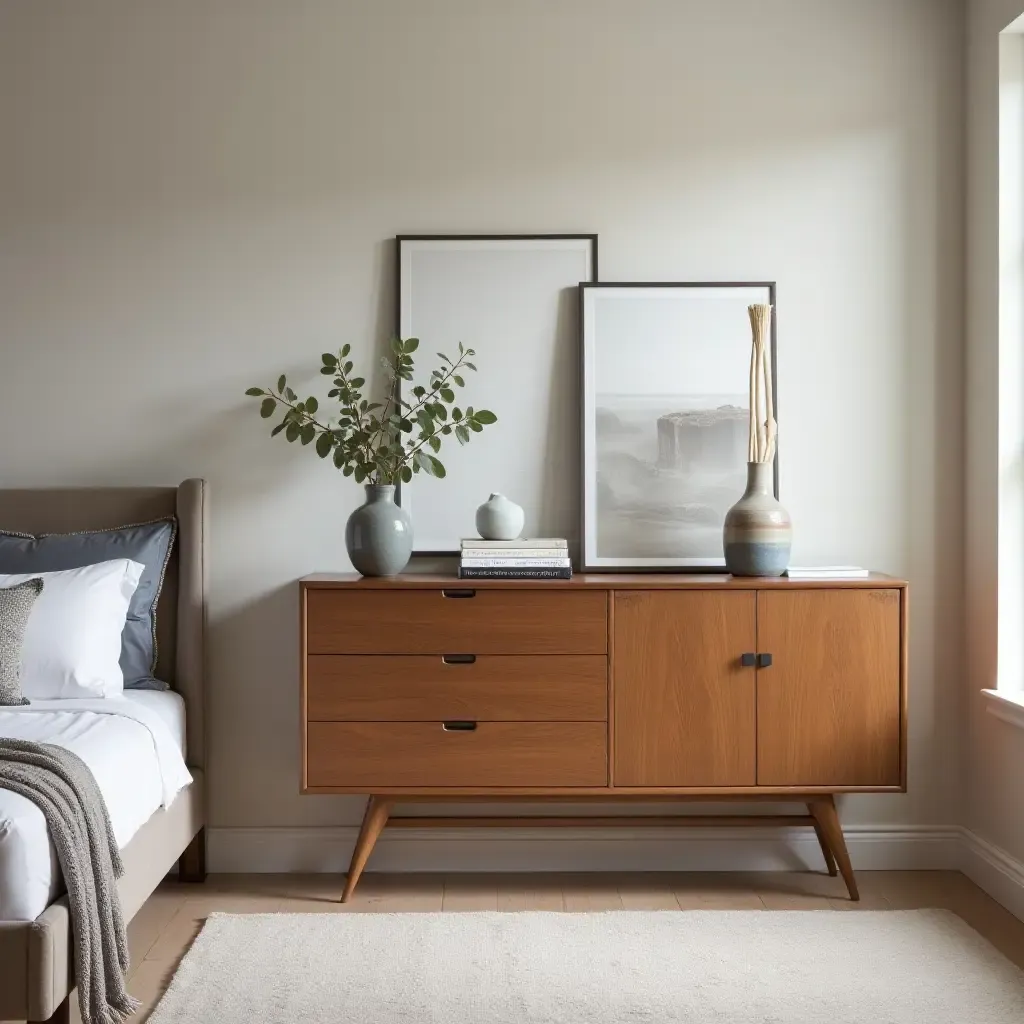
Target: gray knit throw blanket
61,785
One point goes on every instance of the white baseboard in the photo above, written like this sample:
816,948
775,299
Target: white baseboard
995,871
313,849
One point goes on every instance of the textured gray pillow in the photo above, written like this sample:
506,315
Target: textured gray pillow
15,607
148,543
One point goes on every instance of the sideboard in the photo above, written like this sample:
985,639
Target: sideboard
605,687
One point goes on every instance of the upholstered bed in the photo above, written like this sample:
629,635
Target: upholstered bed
35,956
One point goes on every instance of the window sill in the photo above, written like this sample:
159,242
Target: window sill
1007,705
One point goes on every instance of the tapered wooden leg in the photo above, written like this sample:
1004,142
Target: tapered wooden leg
830,861
192,863
824,813
374,820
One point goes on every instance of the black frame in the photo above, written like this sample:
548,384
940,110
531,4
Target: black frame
772,295
556,236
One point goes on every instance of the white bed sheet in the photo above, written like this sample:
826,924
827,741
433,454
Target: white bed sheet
170,706
134,749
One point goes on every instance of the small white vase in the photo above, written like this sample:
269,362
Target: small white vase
499,519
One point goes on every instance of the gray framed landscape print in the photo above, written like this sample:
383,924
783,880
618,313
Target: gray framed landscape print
666,371
514,300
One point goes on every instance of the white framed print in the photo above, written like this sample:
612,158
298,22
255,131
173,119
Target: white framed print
665,420
513,300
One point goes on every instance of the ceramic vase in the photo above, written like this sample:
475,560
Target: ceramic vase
758,533
378,535
499,519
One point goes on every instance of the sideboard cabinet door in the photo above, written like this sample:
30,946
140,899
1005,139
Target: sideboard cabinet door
684,704
828,706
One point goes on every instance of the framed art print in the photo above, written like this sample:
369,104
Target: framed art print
513,300
666,370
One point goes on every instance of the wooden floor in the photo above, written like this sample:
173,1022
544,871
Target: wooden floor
165,927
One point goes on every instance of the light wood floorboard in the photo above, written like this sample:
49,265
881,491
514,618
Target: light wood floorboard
165,927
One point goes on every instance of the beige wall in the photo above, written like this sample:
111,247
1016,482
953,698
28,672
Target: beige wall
197,195
995,748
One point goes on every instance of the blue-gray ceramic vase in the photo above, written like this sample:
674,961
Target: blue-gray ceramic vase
378,534
758,533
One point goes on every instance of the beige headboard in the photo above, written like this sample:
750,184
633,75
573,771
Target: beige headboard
181,611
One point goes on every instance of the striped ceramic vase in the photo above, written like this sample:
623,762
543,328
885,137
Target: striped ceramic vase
758,532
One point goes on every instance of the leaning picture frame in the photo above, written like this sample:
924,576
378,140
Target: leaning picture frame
665,395
513,300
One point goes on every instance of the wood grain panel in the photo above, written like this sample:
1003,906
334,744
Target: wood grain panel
417,754
684,707
427,622
494,688
828,708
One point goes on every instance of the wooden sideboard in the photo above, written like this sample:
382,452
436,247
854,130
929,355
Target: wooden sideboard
612,687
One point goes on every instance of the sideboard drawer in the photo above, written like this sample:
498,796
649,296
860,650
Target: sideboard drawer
490,688
376,755
443,622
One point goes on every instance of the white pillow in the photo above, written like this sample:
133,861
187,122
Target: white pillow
72,644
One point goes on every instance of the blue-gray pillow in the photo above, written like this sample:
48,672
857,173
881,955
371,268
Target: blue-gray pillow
148,543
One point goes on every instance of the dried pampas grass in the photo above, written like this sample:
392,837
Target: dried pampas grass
763,429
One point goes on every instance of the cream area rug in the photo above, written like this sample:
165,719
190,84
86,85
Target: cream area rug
726,967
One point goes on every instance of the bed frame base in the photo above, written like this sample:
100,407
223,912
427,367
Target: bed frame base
192,864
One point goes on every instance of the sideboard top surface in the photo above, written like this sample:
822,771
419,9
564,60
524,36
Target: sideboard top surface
594,581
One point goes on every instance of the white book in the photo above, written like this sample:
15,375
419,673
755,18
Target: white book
515,563
813,572
514,552
519,542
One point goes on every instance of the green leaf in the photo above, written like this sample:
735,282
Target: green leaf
485,416
324,444
437,467
307,433
361,472
456,413
411,345
461,348
277,430
345,349
462,433
458,380
419,391
280,383
446,429
435,443
327,370
406,474
267,407
348,471
329,359
292,432
469,366
254,392
474,426
440,411
357,382
340,457
289,394
312,405
447,394
441,355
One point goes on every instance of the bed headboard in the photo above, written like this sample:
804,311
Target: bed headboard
181,611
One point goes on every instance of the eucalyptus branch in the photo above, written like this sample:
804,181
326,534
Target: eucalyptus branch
368,443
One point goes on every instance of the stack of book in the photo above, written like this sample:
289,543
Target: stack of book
544,558
826,572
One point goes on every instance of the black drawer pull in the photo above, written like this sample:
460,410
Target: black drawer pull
748,660
458,659
459,726
458,593
764,661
